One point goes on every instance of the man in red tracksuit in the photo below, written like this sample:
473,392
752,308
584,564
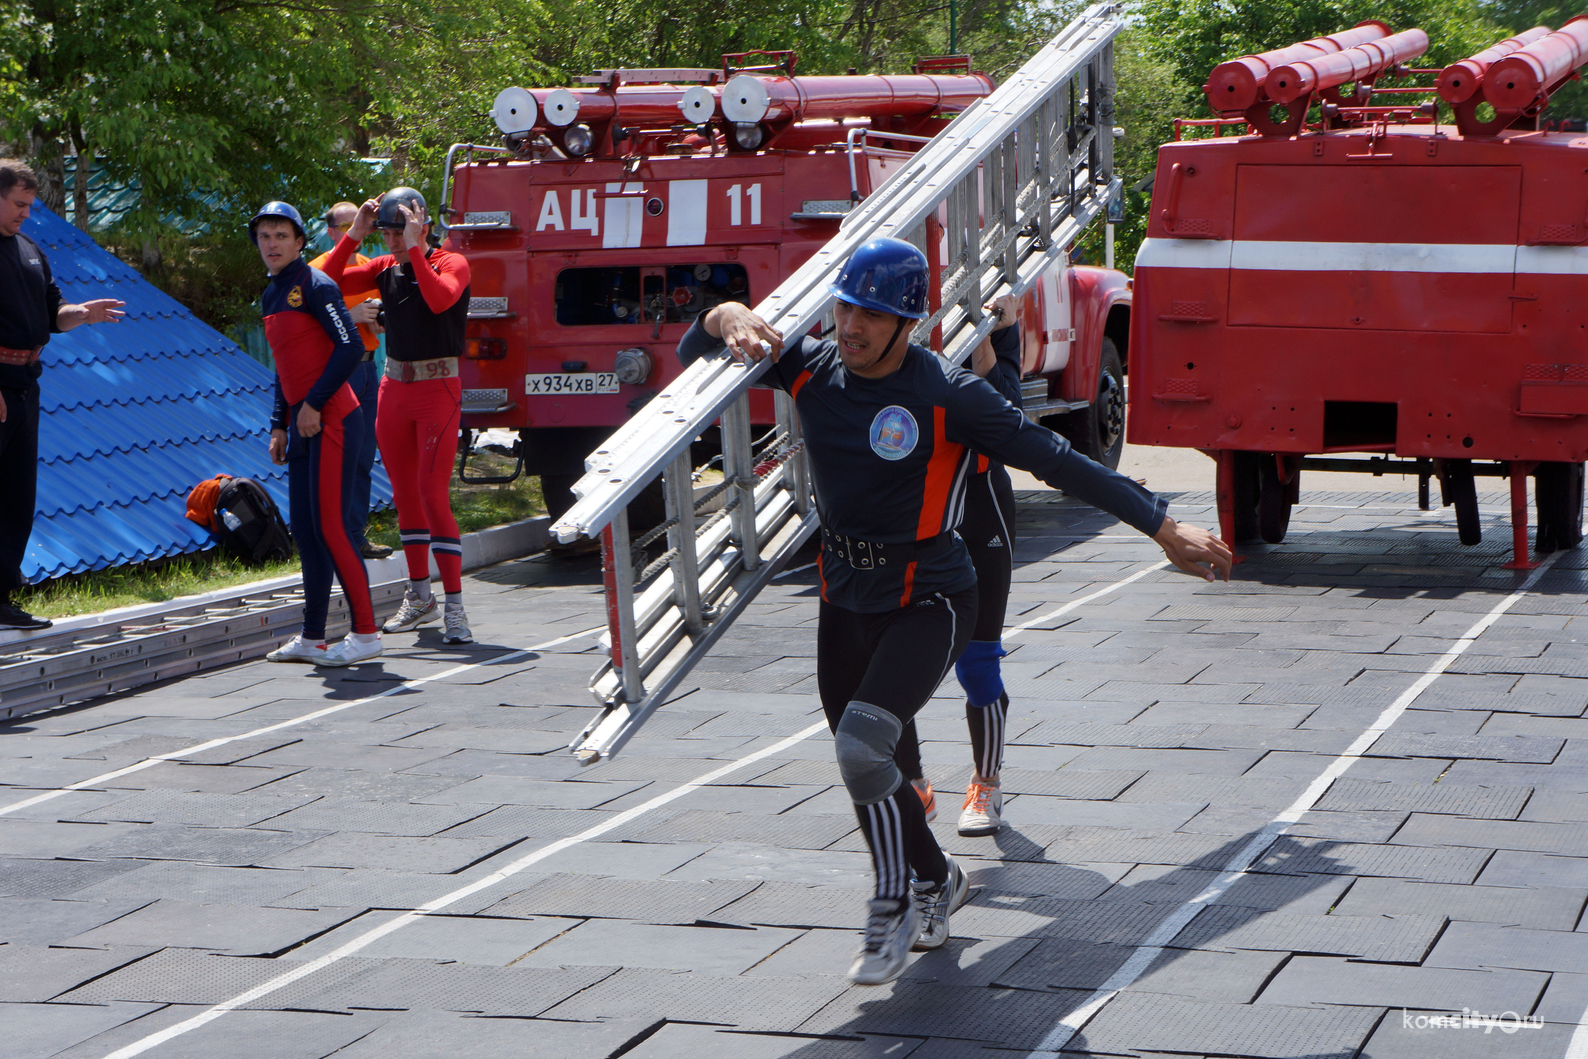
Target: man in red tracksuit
315,431
424,298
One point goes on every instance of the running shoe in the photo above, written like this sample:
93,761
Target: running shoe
371,550
457,625
923,787
297,649
14,617
983,811
937,902
349,652
891,928
413,613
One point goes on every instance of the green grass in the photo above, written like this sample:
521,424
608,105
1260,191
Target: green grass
477,507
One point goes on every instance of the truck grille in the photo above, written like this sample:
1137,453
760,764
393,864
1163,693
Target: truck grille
488,309
483,401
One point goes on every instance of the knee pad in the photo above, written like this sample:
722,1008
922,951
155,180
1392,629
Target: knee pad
978,671
865,740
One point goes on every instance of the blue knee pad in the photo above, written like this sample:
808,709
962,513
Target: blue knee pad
865,740
978,672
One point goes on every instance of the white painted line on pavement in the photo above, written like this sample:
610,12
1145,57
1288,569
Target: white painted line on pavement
501,874
375,934
1060,612
1149,950
176,755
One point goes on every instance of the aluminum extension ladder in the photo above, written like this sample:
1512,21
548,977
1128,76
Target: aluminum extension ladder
1013,180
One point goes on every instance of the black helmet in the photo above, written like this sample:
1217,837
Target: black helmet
390,216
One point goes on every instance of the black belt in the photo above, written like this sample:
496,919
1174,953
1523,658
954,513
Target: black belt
865,555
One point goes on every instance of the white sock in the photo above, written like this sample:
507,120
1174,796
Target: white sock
455,597
421,588
364,637
312,643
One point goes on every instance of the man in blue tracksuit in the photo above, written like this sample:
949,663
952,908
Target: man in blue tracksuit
315,429
892,433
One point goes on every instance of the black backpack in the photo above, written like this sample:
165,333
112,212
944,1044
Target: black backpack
248,524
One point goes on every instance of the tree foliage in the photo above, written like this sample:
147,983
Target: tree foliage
213,106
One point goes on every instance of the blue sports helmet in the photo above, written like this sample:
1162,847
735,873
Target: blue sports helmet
275,209
888,275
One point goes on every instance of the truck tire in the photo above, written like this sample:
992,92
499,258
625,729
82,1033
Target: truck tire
1245,490
1461,491
1098,430
1275,498
1558,495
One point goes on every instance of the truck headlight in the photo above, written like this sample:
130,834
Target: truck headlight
747,136
577,140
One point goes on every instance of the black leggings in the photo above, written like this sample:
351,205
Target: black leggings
19,475
988,529
893,661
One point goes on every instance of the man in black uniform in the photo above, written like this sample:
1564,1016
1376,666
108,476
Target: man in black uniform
30,311
891,431
988,530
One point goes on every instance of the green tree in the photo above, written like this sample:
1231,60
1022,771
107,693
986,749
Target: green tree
192,99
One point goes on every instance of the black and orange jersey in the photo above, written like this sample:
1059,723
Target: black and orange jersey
1004,376
889,459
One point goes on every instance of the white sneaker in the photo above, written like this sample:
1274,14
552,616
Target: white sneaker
983,812
936,903
891,928
349,652
413,613
297,649
457,625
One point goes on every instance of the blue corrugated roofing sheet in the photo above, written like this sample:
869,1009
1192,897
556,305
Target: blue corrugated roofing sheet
134,415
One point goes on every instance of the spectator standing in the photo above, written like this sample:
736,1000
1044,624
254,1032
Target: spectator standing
31,309
424,297
365,382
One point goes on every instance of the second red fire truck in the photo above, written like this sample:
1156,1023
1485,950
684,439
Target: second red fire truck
1355,275
614,213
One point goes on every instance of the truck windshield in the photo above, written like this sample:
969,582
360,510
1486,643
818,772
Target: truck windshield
635,294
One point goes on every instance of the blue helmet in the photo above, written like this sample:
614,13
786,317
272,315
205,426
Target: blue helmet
276,209
888,275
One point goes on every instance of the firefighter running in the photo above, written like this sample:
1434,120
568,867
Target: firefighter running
315,429
890,429
424,296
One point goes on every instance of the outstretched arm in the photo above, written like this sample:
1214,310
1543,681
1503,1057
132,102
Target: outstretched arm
984,421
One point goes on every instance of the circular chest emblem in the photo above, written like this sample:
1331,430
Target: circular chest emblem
295,297
894,433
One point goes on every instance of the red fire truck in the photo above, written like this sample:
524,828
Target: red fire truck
1356,275
614,213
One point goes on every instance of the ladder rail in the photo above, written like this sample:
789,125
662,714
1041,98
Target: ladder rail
638,451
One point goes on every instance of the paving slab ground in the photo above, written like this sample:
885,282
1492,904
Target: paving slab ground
427,873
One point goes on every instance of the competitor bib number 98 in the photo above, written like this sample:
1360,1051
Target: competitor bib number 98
556,384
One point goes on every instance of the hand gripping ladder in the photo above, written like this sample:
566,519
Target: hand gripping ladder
1010,184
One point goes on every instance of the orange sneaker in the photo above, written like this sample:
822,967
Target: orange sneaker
928,798
983,812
